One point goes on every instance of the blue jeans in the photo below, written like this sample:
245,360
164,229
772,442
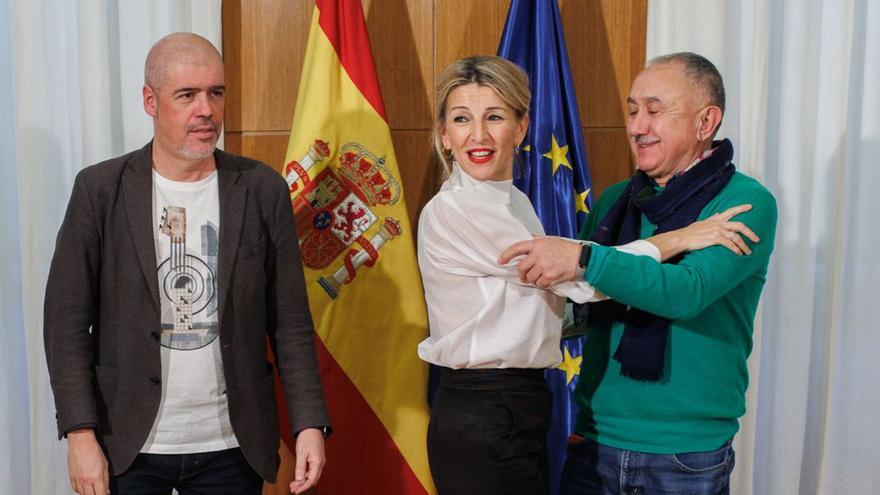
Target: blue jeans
592,468
208,473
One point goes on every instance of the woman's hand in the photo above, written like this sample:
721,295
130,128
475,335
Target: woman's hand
716,230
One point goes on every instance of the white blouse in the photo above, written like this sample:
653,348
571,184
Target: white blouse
480,314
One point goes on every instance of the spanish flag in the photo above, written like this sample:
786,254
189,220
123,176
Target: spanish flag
363,282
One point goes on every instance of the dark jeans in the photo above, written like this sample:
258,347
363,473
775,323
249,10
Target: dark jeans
208,473
592,468
488,432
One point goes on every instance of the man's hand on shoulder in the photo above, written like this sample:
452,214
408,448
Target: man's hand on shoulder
547,261
310,459
86,464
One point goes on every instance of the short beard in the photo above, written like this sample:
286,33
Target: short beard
196,155
191,154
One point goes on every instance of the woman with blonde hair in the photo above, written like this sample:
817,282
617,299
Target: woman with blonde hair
491,334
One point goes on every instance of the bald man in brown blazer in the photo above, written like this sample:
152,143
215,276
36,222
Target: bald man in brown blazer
173,265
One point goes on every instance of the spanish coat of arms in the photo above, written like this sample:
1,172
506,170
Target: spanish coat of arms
333,210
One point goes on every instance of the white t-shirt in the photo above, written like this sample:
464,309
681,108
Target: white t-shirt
194,411
480,314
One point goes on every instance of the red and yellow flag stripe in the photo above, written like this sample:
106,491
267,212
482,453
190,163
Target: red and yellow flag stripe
374,382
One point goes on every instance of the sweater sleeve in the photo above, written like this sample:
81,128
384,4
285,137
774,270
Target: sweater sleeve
684,290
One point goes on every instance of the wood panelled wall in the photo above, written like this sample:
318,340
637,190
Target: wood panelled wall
264,43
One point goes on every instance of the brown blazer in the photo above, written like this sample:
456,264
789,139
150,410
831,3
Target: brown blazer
102,310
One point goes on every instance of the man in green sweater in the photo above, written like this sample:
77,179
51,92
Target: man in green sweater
664,373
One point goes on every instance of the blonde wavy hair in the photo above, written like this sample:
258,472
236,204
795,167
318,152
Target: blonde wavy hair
508,81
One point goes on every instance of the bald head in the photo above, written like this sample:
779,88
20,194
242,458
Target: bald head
174,49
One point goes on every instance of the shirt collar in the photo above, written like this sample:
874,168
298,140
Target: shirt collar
706,154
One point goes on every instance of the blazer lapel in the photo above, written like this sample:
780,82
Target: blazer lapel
233,200
137,186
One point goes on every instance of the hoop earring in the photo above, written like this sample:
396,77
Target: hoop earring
447,156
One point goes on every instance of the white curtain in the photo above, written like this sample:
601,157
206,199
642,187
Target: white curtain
70,95
804,115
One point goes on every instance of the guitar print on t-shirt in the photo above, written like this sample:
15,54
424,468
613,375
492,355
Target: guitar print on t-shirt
188,284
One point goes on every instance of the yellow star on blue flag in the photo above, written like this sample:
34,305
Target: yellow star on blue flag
580,201
570,365
557,155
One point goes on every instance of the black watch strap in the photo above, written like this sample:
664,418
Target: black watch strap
326,431
584,259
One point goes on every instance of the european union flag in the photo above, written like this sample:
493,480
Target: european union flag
554,173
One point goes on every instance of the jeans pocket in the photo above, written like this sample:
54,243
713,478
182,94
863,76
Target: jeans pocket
701,462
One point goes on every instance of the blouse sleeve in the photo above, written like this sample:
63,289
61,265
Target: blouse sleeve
463,235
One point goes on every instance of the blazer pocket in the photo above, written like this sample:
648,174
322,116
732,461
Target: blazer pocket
106,378
253,249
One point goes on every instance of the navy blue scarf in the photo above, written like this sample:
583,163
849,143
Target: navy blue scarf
642,348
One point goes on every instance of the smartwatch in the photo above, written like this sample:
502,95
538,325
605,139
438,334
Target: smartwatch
325,430
583,261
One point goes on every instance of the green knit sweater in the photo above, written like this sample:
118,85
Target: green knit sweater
711,297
